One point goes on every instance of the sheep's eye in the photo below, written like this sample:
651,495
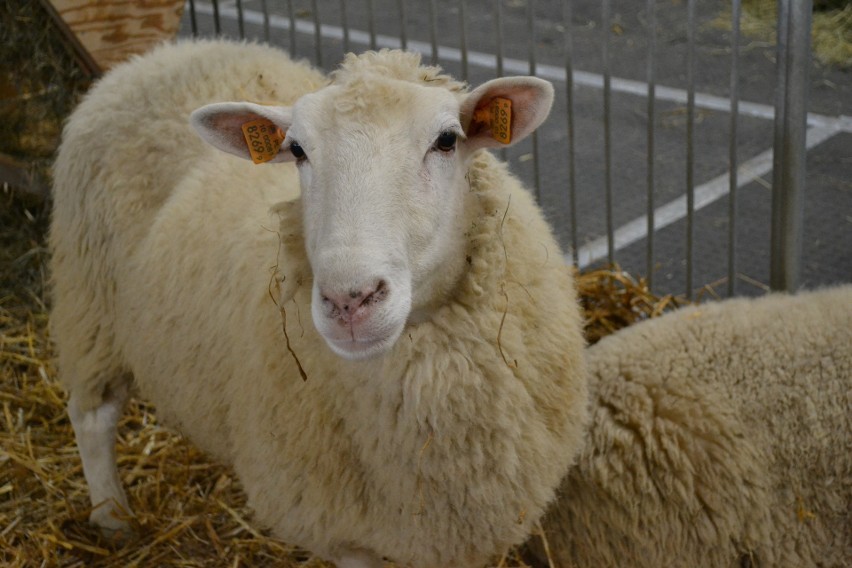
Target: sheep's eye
446,142
297,151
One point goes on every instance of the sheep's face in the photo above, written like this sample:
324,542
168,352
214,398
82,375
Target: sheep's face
382,204
382,165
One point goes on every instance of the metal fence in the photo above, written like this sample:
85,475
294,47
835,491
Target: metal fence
652,143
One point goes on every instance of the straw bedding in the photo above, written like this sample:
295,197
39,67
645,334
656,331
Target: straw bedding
40,83
190,511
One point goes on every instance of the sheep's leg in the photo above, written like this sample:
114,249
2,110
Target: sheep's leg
357,558
95,431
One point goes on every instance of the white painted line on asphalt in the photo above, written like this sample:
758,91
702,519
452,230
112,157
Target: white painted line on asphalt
551,72
675,210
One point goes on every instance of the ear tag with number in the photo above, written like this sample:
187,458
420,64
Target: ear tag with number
263,139
497,114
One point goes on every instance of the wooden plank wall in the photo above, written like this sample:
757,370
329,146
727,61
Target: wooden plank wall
112,30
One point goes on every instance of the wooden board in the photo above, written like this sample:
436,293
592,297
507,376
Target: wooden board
112,30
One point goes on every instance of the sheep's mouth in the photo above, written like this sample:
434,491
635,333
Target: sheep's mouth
362,348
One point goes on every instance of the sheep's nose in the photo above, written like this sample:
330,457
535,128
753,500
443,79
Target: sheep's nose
355,303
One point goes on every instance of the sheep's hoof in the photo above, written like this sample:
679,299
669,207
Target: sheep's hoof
115,526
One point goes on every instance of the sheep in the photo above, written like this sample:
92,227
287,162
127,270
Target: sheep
431,408
720,436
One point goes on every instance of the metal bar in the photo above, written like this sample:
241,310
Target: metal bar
650,182
344,23
463,37
371,24
265,9
403,36
317,33
531,35
532,59
192,19
241,25
433,30
217,22
778,171
690,144
291,15
567,16
498,51
607,94
789,180
733,162
498,25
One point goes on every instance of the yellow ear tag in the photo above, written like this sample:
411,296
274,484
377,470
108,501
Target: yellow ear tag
498,116
263,139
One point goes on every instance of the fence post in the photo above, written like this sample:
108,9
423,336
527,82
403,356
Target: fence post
789,152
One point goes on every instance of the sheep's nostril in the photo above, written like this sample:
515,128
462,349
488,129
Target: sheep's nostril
377,295
354,302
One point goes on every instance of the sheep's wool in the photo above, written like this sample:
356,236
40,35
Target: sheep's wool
171,261
364,80
720,437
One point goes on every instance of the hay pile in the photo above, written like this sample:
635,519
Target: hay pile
40,82
613,299
191,512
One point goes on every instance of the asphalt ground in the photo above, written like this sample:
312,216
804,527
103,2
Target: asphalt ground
544,163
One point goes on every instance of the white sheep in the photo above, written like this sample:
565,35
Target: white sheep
721,436
445,392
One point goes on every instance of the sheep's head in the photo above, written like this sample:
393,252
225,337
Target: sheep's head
382,154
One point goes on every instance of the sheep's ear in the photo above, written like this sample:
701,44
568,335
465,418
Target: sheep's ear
221,126
504,111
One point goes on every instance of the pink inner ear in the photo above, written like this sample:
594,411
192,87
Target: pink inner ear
521,97
224,130
221,125
524,104
231,122
530,97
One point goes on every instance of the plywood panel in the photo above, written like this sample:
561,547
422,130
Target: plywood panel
112,30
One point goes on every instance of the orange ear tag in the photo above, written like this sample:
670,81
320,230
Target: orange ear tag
263,139
498,116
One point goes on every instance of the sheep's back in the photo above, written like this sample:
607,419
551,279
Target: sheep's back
719,431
